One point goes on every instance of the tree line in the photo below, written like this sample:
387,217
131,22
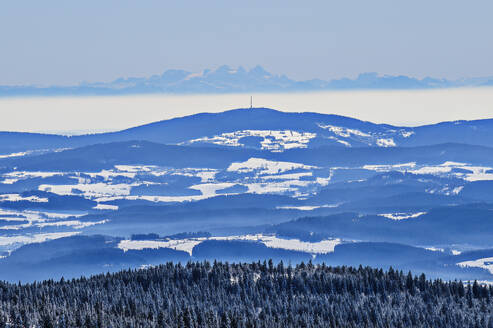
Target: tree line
247,295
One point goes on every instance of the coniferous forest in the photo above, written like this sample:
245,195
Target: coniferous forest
247,295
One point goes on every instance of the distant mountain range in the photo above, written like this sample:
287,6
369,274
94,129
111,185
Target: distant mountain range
226,79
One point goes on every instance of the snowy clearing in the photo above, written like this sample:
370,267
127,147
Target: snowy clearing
264,166
402,216
187,245
484,263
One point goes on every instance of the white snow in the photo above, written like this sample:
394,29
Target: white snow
385,167
301,208
288,176
402,216
344,142
16,226
187,245
106,207
291,186
31,174
18,198
445,169
388,142
321,247
344,132
432,170
34,238
206,174
370,139
451,163
485,263
14,155
164,199
477,172
264,166
107,174
76,224
209,189
56,215
457,190
276,140
43,219
134,168
435,249
10,181
89,190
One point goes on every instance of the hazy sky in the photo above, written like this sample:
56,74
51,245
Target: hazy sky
65,42
97,114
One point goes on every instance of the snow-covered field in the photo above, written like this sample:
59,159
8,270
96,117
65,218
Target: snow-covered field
263,166
468,172
274,140
257,175
371,139
187,245
9,243
484,263
20,227
402,216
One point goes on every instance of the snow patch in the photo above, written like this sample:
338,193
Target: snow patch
407,134
385,168
344,132
106,207
435,249
457,190
76,224
388,142
90,190
210,189
274,140
402,216
484,263
14,155
34,238
321,247
185,245
264,166
306,208
19,198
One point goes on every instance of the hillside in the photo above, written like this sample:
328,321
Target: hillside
259,183
264,129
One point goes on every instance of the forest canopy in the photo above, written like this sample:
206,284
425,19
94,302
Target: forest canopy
247,295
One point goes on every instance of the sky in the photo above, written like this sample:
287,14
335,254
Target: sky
78,115
66,42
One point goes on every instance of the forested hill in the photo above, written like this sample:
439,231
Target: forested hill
247,295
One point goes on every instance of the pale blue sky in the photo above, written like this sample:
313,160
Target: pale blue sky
66,42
